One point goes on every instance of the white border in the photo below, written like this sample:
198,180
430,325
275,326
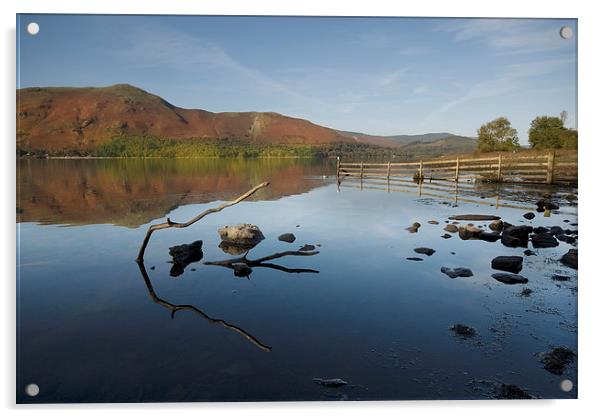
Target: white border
590,290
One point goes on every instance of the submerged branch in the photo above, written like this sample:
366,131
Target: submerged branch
260,262
172,224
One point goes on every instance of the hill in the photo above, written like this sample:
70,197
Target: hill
123,120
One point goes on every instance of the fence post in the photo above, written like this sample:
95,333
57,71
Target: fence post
361,175
420,175
338,168
457,168
550,171
388,171
499,167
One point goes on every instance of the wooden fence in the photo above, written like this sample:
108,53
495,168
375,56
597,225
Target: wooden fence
543,168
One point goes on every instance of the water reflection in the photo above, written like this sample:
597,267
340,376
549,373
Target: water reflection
243,266
132,192
175,308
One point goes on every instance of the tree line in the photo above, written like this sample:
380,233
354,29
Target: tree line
544,132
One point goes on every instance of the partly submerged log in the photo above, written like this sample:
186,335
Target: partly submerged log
237,264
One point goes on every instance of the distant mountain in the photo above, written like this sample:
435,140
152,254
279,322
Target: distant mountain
62,119
451,144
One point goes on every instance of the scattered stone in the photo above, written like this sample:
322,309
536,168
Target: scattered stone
570,197
463,330
288,237
414,228
560,278
297,226
469,232
566,238
434,222
307,247
529,215
475,217
570,259
451,228
511,263
489,236
241,269
446,236
557,359
183,255
425,251
457,272
242,234
557,230
540,229
152,268
414,259
512,392
526,292
497,225
544,240
330,383
509,278
529,252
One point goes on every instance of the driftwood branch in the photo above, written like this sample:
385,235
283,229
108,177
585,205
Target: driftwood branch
175,308
260,262
172,224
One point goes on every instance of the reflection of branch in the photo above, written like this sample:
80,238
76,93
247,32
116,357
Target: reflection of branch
171,224
175,308
260,261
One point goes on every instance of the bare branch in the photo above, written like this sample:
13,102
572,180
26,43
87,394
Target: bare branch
172,224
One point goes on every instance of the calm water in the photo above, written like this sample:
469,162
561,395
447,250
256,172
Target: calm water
95,327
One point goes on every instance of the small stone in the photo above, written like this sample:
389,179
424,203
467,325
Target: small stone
241,269
307,247
414,228
434,222
544,240
489,236
526,292
557,359
472,217
529,215
560,278
566,238
496,225
288,237
469,232
463,330
425,251
446,236
529,252
241,234
414,259
331,383
451,228
456,272
570,259
512,392
512,263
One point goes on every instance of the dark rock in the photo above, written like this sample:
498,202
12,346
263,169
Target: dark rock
540,229
469,232
451,228
463,330
414,258
544,240
557,230
529,215
307,247
509,278
545,204
496,225
512,392
330,383
288,237
557,359
446,236
566,238
457,272
570,259
511,263
152,268
516,236
424,250
570,197
526,292
241,269
489,236
560,278
183,255
529,252
434,222
242,234
414,228
570,232
474,217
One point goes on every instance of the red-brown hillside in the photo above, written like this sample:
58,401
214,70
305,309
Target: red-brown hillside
57,118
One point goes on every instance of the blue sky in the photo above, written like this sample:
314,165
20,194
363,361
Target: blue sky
382,76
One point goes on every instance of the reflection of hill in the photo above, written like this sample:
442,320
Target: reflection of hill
133,192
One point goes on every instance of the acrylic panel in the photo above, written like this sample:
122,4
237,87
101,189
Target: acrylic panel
272,208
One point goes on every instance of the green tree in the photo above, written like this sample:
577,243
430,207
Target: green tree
497,135
550,132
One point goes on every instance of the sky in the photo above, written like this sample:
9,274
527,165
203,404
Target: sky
382,76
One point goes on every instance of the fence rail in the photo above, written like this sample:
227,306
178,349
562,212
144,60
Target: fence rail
544,168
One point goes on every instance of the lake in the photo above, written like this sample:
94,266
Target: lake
94,326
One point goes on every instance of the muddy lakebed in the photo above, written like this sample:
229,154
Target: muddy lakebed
394,298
